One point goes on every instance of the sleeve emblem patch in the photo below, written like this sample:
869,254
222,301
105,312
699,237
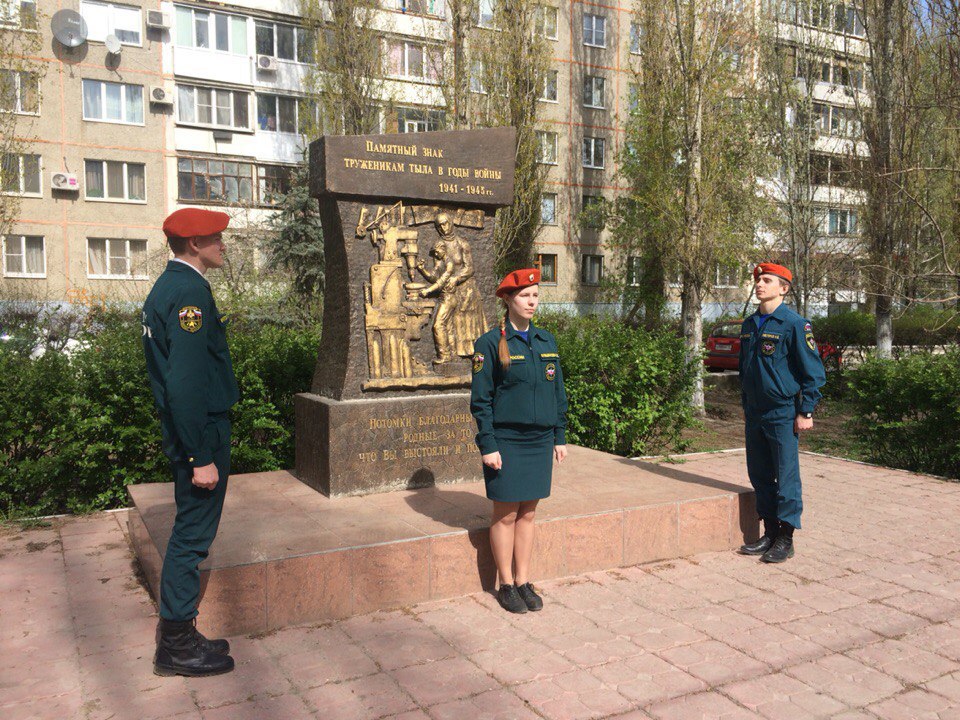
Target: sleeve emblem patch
811,343
191,318
477,362
768,347
550,371
808,327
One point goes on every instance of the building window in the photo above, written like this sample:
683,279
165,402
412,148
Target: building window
485,13
727,275
636,35
634,271
117,259
111,180
594,221
112,102
286,42
545,22
593,91
836,120
548,208
213,31
213,106
842,221
411,60
276,113
24,256
109,19
591,269
221,181
273,182
594,30
835,170
20,14
548,269
547,142
20,174
421,7
411,120
476,77
593,153
847,20
19,92
549,93
633,97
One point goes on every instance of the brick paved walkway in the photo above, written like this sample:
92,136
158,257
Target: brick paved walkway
863,623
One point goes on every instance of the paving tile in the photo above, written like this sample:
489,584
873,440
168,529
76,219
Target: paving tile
780,696
645,679
443,681
371,697
704,706
849,681
904,661
713,662
916,705
576,695
492,705
288,707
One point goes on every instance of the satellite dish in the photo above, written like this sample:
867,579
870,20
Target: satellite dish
113,44
69,28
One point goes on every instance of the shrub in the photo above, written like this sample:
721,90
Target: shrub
628,388
907,411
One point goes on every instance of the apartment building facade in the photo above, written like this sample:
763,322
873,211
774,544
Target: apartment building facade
205,105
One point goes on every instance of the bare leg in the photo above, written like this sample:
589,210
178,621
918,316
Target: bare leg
502,527
523,540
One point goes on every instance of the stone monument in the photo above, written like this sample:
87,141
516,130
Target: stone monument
408,224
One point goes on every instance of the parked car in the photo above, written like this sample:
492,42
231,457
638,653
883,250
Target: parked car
723,349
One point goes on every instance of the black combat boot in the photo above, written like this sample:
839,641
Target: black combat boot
771,529
510,599
782,548
181,652
530,598
219,647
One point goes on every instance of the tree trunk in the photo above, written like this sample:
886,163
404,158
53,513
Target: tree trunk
692,319
884,315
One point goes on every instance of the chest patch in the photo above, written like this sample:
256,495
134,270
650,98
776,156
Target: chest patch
550,371
478,359
514,358
768,347
544,356
191,318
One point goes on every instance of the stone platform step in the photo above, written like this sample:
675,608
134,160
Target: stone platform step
285,554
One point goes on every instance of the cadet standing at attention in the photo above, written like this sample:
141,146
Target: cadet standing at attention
192,379
520,406
780,375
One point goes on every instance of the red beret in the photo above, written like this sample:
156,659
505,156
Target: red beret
194,222
772,269
518,280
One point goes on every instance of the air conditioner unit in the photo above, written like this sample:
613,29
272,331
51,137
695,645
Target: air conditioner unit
64,181
266,63
160,95
158,20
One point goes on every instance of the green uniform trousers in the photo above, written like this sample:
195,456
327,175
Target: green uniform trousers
198,516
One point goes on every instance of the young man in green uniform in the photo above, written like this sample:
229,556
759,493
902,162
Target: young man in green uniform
780,376
192,379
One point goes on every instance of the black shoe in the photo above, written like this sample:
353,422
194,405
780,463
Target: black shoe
181,652
218,647
757,548
510,599
782,550
530,598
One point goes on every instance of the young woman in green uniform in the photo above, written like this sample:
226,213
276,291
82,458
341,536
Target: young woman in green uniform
520,406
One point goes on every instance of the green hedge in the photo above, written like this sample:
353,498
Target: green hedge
76,429
628,388
918,327
907,411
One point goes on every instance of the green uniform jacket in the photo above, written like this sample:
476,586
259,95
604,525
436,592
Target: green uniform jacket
530,392
188,361
780,366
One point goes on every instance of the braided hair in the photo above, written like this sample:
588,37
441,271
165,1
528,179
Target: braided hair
503,351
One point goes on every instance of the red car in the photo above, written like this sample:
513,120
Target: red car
723,349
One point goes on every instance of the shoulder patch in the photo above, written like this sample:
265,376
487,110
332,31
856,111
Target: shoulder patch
811,343
477,362
191,318
807,327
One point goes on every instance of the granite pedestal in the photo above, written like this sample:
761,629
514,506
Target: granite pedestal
286,554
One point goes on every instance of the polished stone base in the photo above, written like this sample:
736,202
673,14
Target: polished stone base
286,554
358,447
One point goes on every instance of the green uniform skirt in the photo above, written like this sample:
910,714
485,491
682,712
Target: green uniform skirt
527,455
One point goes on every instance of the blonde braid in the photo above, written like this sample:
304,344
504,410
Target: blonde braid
503,350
